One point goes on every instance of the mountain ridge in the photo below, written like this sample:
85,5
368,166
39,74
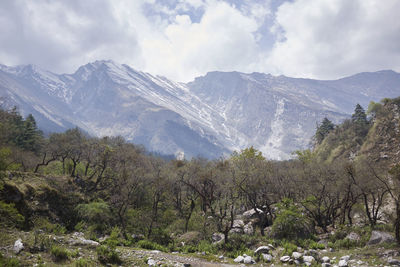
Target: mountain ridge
210,116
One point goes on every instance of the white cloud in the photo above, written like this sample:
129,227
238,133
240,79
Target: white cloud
182,39
224,39
328,39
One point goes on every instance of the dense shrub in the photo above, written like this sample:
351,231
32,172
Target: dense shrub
290,223
59,253
289,248
9,215
44,224
107,254
96,214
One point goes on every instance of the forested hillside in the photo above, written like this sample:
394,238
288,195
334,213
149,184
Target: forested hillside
71,190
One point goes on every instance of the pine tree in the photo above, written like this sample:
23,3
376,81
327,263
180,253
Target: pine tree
359,116
360,121
323,130
31,135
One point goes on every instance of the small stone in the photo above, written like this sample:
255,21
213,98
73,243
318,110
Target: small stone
267,257
394,262
285,258
239,259
345,258
247,260
309,259
262,249
221,257
342,263
353,236
296,255
325,264
18,246
151,262
248,229
325,259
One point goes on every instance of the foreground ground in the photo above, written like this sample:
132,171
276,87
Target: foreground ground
81,254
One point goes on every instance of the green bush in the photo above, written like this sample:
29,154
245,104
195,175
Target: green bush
289,248
9,215
96,214
238,245
42,242
9,262
83,263
310,244
160,236
290,223
106,254
45,225
207,247
147,244
59,253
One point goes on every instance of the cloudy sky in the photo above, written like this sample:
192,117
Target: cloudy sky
182,39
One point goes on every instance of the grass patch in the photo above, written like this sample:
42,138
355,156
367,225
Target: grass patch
59,253
147,244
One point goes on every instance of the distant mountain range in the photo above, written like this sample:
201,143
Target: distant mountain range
210,116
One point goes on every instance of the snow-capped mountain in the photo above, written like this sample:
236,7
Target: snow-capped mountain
211,116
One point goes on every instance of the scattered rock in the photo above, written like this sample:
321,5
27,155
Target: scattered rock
236,231
79,240
262,249
238,224
239,259
248,229
267,257
394,262
248,260
378,237
18,246
342,263
221,257
325,259
296,255
285,258
151,262
309,259
325,264
251,213
345,258
353,236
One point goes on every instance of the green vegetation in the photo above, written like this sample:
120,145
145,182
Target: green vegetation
59,253
9,215
116,193
9,262
290,223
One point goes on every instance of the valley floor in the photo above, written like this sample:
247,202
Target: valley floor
81,254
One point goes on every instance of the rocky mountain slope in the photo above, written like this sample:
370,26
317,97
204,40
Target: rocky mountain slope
210,116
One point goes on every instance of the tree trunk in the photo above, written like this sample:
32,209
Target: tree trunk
397,222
